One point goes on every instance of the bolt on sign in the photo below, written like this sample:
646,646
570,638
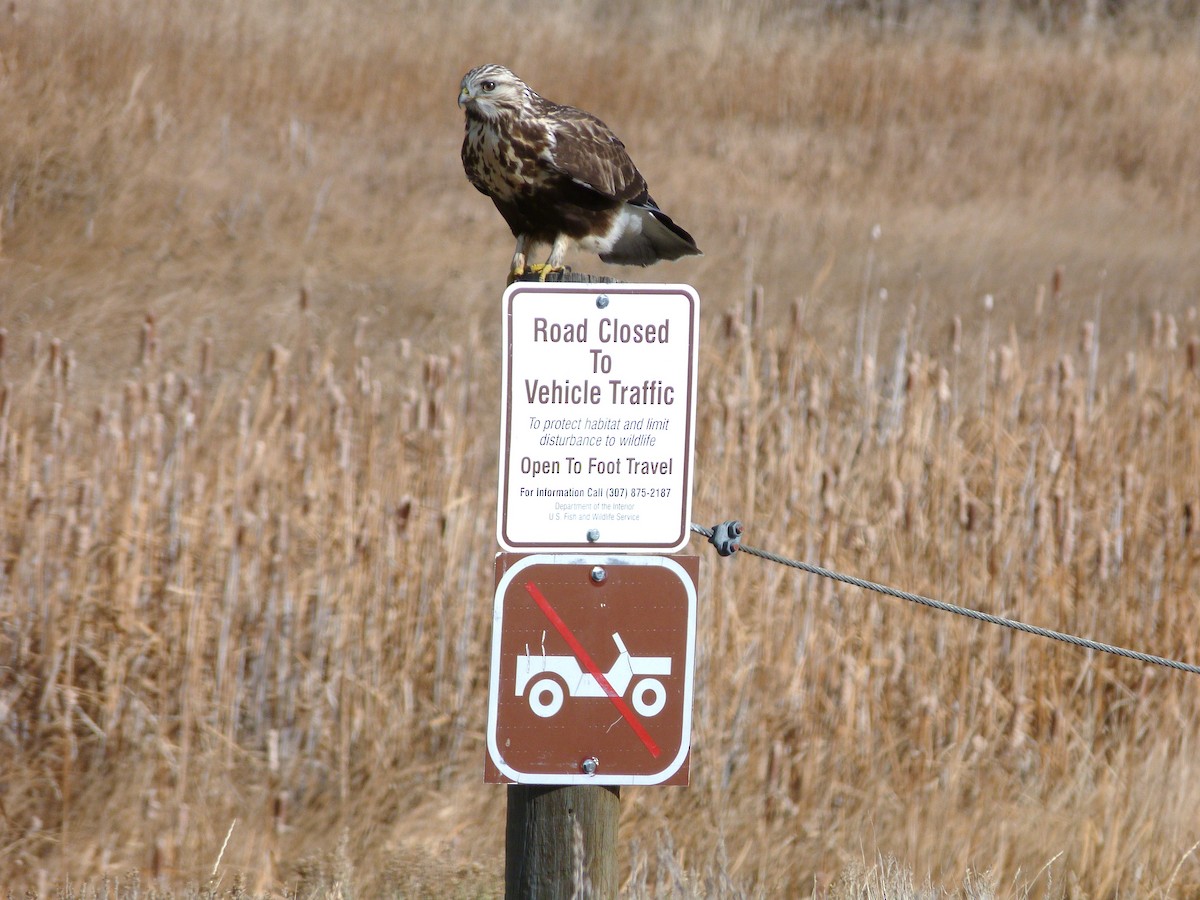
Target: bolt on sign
592,666
597,419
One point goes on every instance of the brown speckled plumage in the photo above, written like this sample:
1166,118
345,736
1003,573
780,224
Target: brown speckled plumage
557,173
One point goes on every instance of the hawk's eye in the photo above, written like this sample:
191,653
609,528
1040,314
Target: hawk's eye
488,86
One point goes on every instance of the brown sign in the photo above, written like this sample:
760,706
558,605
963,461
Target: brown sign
592,663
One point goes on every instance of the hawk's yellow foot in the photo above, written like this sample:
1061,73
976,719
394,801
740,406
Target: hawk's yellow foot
544,270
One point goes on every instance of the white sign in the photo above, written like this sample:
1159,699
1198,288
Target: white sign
597,423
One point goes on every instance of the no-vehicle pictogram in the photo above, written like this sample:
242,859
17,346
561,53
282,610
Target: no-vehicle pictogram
579,685
542,676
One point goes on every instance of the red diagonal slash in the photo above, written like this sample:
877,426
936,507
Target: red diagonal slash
590,664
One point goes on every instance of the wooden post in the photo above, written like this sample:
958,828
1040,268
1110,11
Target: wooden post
568,277
561,842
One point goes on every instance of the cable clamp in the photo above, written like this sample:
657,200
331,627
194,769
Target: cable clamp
726,537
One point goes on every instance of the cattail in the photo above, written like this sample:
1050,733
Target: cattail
337,399
291,411
402,513
966,508
345,443
1126,480
362,374
206,358
277,360
132,398
409,409
812,411
34,498
1069,537
158,428
1042,522
149,341
730,326
68,368
895,497
243,418
1087,338
1066,374
1060,509
280,811
758,305
828,490
944,394
915,374
1078,428
1007,365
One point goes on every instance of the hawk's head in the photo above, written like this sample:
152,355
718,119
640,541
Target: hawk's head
491,92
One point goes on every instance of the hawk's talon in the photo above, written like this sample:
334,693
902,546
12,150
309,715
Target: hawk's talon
544,270
541,271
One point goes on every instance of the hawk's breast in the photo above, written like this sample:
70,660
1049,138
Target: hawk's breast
501,163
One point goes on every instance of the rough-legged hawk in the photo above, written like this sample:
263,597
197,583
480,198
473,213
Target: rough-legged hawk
558,174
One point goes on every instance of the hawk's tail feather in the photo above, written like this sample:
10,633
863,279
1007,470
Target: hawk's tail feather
657,238
679,232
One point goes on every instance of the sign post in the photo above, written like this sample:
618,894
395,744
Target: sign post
593,640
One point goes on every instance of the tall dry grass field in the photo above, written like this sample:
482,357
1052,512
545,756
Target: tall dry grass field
248,419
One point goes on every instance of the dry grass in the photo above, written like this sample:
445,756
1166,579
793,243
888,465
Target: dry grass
247,442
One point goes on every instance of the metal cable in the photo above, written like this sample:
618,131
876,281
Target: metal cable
958,610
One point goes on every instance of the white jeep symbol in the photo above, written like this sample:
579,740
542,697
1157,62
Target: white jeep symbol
551,674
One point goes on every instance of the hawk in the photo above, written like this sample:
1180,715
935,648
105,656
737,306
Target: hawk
559,175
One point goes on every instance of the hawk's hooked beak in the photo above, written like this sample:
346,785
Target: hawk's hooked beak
464,97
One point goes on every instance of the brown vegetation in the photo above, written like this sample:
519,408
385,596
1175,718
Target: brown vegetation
248,386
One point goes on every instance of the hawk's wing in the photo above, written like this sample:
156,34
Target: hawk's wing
586,151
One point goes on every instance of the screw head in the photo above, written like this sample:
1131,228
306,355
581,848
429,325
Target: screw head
593,534
598,575
589,765
602,301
